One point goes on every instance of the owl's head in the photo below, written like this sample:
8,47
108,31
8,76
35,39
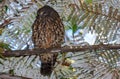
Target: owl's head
47,11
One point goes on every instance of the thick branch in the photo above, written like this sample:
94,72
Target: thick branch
18,53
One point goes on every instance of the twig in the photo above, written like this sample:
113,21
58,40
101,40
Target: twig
5,23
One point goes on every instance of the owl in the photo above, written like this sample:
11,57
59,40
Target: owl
47,32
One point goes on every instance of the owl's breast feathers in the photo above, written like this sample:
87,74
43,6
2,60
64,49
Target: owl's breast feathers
47,31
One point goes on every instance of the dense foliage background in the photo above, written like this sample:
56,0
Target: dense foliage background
87,22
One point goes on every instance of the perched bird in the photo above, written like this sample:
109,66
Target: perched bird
47,32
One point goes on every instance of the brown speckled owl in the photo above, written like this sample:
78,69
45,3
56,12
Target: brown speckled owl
47,32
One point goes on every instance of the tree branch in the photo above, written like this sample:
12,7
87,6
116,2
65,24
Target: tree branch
18,53
8,76
5,23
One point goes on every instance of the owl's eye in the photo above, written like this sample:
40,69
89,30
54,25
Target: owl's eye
41,13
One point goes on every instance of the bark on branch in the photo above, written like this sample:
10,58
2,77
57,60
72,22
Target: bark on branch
9,76
18,53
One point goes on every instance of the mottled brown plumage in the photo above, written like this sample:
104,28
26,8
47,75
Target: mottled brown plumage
47,32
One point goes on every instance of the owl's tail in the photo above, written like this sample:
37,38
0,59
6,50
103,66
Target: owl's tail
47,63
